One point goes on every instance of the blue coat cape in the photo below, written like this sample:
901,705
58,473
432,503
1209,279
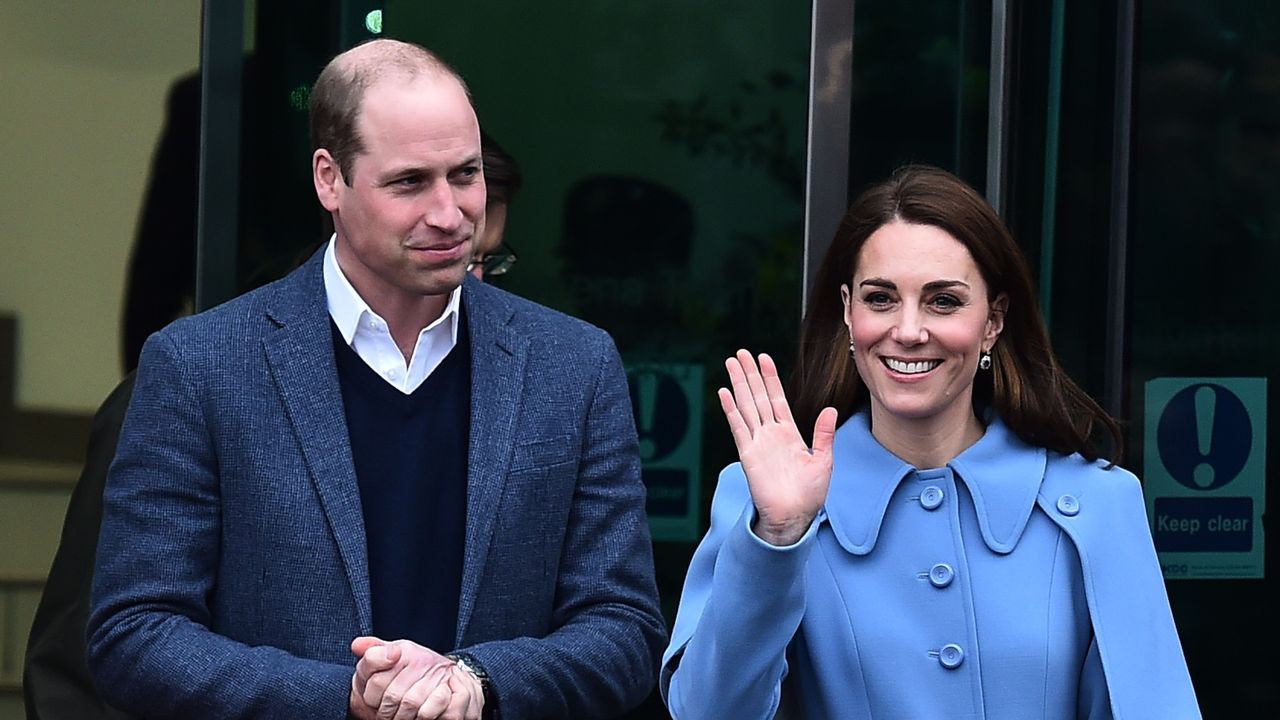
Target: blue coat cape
1012,583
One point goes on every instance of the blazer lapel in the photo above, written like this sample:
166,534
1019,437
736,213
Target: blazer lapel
300,355
498,358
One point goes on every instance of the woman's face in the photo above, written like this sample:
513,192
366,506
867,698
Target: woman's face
918,315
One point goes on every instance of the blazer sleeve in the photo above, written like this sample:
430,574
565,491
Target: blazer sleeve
742,604
151,648
602,656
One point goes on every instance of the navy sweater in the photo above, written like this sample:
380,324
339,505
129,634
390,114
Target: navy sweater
410,454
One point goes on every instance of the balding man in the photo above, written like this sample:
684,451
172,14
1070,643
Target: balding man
378,487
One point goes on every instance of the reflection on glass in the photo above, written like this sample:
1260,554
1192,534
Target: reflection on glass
920,76
1206,240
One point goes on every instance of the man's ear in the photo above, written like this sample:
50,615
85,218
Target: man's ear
327,177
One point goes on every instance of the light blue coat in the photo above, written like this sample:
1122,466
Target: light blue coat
1011,584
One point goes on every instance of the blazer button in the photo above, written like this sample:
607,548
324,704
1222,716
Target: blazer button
941,575
1068,505
931,498
951,656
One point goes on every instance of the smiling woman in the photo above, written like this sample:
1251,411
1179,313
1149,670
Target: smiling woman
955,547
939,230
922,315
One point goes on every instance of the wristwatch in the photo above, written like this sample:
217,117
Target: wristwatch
468,662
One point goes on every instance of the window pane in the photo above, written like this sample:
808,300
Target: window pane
1205,245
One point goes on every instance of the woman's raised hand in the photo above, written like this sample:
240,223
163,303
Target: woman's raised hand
788,480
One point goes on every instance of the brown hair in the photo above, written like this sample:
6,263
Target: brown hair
502,176
1026,386
340,89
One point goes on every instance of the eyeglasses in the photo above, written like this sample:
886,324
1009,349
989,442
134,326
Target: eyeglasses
495,263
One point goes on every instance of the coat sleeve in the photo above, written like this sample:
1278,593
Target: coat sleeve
601,657
151,648
742,604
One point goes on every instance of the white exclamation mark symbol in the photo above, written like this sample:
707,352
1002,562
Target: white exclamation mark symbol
1206,401
647,392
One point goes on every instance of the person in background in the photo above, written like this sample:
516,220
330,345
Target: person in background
948,542
502,178
55,680
372,488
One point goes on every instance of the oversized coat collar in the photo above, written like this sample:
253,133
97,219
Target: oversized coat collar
300,355
1002,474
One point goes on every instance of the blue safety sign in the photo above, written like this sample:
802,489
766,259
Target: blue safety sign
1204,475
667,401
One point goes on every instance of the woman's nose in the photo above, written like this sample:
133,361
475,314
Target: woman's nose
910,329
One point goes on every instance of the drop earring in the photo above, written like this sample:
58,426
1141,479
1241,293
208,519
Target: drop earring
984,362
851,351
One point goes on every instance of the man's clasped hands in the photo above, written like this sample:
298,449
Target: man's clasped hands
402,680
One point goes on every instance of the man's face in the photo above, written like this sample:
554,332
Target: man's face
407,220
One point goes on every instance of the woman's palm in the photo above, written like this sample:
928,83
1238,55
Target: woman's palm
788,480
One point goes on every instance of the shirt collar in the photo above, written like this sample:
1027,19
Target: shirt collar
347,308
1001,472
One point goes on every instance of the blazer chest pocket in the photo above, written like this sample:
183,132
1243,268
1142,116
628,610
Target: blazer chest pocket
542,453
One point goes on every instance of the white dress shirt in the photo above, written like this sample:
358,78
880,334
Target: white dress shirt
368,334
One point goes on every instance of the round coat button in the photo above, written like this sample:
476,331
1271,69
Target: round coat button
931,498
1068,505
941,575
951,656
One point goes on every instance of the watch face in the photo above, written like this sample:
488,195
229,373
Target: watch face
468,663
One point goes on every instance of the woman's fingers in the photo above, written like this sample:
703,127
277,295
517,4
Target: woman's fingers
773,386
737,427
742,394
824,431
759,395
